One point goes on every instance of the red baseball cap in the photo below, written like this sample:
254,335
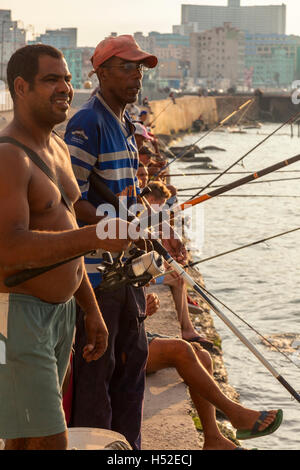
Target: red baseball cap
124,47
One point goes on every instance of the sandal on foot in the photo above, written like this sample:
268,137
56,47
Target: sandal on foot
254,432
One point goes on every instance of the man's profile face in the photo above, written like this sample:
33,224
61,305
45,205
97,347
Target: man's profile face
142,175
51,93
123,84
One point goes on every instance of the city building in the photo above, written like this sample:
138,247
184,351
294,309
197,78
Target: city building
254,19
173,53
218,57
86,54
65,39
73,57
272,59
59,38
275,70
12,37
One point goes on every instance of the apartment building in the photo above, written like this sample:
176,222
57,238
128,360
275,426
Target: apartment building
218,56
273,59
254,19
12,37
59,38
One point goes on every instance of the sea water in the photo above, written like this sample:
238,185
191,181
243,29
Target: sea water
262,283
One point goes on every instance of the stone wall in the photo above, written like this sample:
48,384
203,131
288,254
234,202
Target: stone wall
172,118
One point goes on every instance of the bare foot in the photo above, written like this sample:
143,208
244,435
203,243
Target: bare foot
218,443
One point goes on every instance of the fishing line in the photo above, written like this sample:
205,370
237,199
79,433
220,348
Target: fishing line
171,102
201,138
233,250
250,326
228,173
27,274
247,153
248,195
251,182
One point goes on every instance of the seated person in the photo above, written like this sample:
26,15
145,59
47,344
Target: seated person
194,365
141,135
145,139
142,175
173,198
142,118
158,196
133,110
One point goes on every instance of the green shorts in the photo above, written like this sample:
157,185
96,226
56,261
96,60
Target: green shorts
35,343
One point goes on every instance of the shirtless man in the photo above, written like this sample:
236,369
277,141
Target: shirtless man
37,317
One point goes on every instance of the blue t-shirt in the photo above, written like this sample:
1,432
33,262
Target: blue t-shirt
98,141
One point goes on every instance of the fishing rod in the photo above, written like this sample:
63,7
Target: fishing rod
30,273
171,102
251,327
251,182
248,195
228,173
233,250
204,260
111,198
201,138
189,280
235,184
243,114
290,120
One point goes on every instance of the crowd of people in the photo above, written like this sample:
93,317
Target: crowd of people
49,215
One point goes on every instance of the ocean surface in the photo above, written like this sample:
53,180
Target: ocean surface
261,283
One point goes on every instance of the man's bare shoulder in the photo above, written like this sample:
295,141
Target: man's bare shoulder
61,143
14,163
11,154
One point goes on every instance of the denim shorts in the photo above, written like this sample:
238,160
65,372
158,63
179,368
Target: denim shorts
35,343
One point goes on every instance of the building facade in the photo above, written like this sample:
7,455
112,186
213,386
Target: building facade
73,57
65,39
273,59
218,57
12,37
254,19
59,38
173,53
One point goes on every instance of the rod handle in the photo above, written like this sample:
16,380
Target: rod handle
286,385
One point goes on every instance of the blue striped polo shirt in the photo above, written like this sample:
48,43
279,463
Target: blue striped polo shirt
98,141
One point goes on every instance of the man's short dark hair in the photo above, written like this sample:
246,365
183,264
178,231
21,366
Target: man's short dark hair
25,63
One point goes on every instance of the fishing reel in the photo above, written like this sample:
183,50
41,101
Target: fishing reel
137,270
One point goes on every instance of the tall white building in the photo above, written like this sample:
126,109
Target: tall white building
11,38
254,19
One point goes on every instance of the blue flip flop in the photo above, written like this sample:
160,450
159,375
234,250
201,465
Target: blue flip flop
254,432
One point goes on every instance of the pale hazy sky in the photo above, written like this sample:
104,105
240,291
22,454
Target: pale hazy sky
95,19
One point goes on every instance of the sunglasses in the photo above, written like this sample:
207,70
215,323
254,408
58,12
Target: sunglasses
129,67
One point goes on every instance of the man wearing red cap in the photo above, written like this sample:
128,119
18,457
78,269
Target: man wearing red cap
100,136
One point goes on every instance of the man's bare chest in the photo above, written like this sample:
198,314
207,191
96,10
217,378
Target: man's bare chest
44,195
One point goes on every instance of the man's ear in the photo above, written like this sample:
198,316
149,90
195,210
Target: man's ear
21,87
102,74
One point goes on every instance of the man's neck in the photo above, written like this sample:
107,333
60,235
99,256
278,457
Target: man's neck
36,134
115,105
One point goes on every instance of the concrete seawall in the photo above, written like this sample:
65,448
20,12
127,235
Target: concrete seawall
172,118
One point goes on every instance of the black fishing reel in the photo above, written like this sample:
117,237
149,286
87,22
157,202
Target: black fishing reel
137,270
